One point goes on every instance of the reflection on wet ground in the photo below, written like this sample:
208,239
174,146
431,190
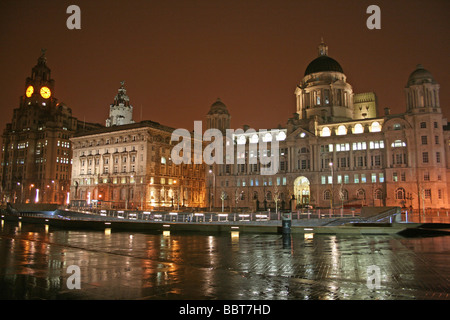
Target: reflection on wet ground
124,265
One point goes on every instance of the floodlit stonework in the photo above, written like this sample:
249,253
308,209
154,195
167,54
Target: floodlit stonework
129,166
338,151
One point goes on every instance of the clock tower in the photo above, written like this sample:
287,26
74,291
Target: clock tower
40,86
37,152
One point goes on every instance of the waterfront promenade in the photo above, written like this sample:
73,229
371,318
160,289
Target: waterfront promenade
377,221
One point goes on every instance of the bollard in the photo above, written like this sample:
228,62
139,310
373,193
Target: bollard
286,223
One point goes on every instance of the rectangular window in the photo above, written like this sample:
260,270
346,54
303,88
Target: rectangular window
304,164
356,178
381,177
323,179
428,194
374,178
377,160
424,139
363,178
395,177
425,157
438,157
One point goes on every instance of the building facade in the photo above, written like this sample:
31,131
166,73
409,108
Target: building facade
129,166
337,151
36,151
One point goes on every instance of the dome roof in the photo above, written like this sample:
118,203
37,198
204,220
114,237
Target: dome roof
323,63
218,107
419,76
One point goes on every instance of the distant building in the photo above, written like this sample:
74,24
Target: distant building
128,165
338,151
36,151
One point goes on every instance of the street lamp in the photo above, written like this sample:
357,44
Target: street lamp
332,186
214,189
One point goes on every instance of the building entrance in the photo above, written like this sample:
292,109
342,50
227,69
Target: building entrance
301,191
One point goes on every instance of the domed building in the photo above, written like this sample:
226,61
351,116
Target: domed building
338,152
324,91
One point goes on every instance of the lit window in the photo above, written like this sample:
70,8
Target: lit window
326,132
267,137
358,128
281,136
342,130
163,160
398,143
375,127
241,140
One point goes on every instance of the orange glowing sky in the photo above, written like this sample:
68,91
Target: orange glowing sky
177,57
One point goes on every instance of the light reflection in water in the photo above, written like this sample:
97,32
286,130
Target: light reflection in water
124,265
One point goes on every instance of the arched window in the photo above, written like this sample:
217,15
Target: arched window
343,194
269,196
241,140
254,138
375,127
255,195
378,194
342,130
281,136
267,137
361,194
327,195
400,194
326,132
358,128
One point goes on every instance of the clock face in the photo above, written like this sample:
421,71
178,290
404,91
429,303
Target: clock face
45,92
29,91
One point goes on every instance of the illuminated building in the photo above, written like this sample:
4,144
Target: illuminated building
128,165
36,150
337,150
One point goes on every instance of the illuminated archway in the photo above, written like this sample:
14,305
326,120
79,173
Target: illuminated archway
302,190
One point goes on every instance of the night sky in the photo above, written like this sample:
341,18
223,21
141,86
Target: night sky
178,57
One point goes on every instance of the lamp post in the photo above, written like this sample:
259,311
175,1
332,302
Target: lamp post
214,189
332,186
21,191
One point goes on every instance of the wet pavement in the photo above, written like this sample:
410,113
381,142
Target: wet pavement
123,265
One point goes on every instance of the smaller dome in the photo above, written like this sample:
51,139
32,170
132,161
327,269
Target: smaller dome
218,107
419,76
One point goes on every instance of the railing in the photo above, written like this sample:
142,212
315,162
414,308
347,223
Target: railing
205,217
385,215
